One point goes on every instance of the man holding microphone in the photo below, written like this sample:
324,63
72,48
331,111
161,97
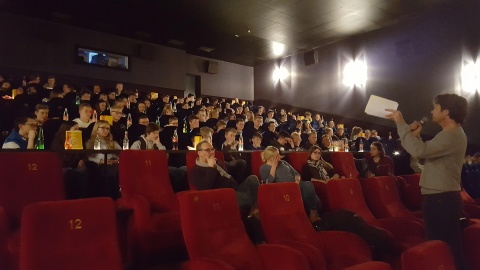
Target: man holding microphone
440,180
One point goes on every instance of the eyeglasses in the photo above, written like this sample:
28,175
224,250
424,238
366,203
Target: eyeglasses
115,112
317,152
208,149
105,128
174,123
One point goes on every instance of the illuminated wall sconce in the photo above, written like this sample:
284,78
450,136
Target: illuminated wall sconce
471,77
355,74
280,74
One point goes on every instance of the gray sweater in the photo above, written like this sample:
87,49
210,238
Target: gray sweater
443,158
284,173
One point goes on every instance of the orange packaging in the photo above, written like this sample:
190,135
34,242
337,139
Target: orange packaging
73,140
107,118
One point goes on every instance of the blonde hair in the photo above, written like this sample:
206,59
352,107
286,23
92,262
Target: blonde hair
108,140
206,132
268,153
167,107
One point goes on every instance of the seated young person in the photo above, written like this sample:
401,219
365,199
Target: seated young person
210,173
235,163
85,112
283,142
276,170
378,164
256,142
101,134
316,168
23,135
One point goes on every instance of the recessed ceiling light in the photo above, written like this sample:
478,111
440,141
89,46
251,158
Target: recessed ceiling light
278,48
237,35
248,31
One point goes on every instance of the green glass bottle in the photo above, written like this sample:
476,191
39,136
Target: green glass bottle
40,139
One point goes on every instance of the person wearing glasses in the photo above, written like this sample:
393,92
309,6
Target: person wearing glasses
23,135
210,173
104,180
317,169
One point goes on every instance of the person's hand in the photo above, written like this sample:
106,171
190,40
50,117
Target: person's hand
112,161
297,179
416,128
212,161
370,175
275,160
81,164
336,176
395,115
32,134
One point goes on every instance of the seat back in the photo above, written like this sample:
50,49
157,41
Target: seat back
76,234
428,255
471,235
191,161
347,194
283,215
413,194
466,198
297,160
212,228
382,197
322,194
344,164
26,178
145,173
256,162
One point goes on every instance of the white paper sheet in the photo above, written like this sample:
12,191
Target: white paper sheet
376,106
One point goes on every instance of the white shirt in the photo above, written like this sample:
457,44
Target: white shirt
82,124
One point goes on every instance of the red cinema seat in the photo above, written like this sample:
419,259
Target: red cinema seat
413,195
205,264
471,239
382,197
297,160
428,255
191,158
284,222
155,232
347,194
370,266
256,162
213,229
344,164
74,235
25,178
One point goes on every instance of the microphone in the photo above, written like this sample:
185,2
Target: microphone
423,120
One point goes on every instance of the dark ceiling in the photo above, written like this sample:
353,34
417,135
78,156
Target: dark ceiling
301,25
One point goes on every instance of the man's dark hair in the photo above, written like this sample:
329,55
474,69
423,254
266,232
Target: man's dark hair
41,106
151,127
192,117
258,135
283,134
84,92
142,116
23,119
239,120
455,104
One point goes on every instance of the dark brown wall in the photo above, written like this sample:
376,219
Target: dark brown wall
410,62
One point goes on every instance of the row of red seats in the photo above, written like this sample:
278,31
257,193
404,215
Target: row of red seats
154,231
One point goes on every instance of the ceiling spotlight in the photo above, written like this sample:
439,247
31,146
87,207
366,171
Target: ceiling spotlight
248,31
279,74
278,48
237,35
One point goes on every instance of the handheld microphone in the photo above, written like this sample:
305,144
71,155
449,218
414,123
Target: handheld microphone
423,120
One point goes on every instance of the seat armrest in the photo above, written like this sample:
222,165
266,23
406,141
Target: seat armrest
141,209
404,229
314,256
345,246
205,264
276,256
472,210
